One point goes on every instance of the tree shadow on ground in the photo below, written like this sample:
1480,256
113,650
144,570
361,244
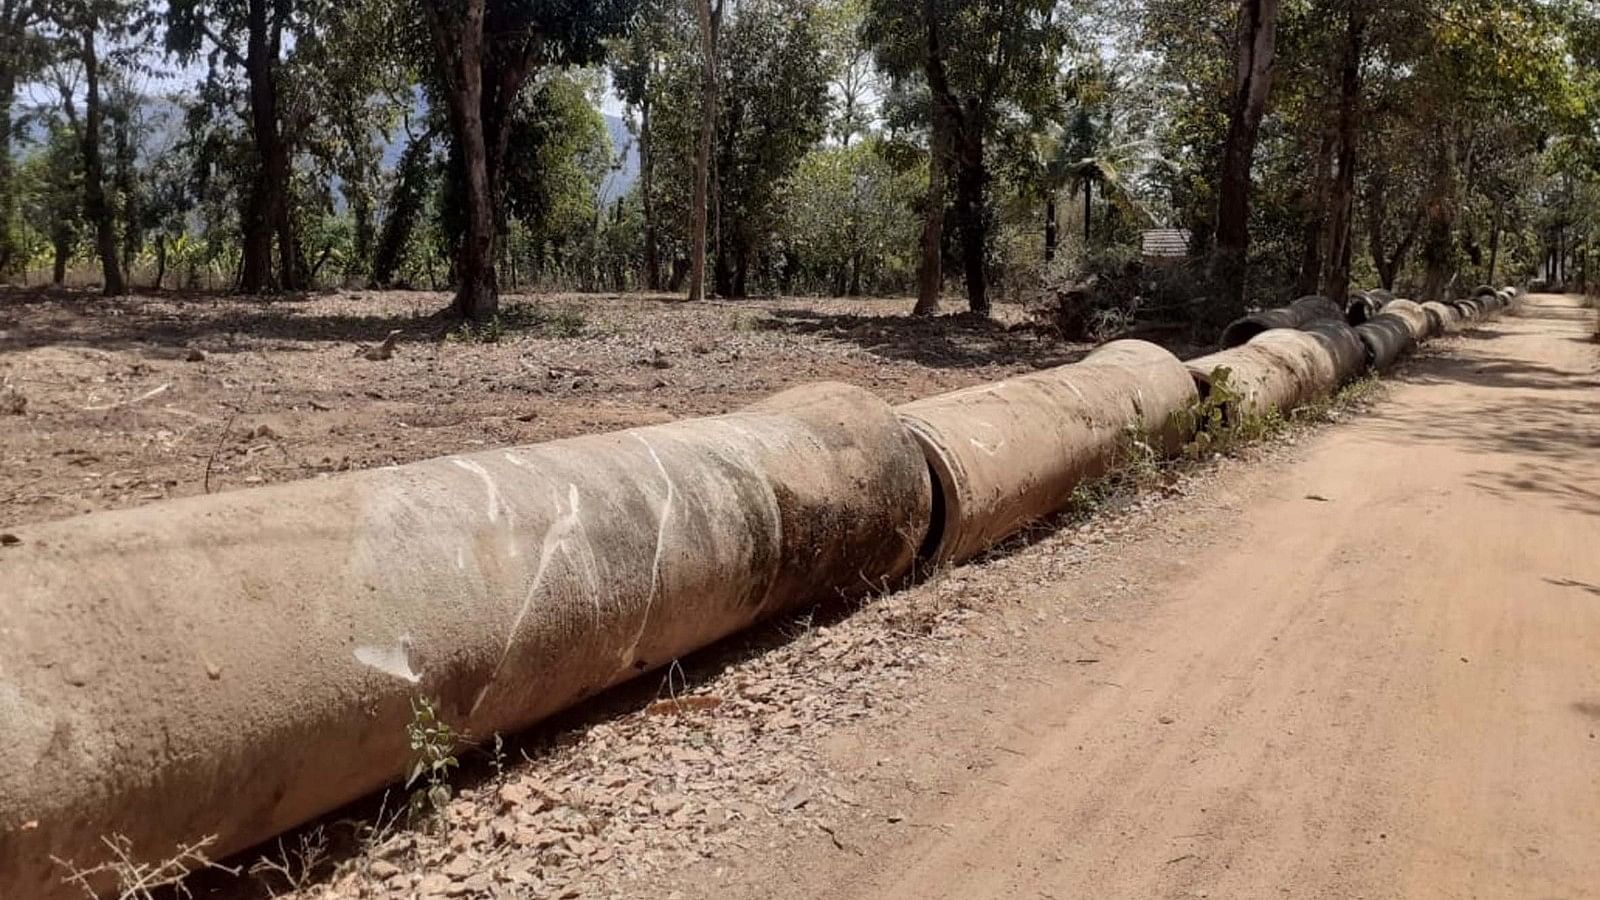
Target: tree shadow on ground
215,323
945,342
224,323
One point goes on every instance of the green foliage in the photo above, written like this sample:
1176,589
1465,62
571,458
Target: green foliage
849,223
1220,423
433,746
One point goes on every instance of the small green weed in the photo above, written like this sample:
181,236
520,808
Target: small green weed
433,746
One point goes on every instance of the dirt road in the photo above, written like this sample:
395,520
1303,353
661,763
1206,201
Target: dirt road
1383,680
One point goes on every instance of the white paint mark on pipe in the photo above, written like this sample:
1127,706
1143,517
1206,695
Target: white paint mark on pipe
555,540
630,653
493,490
496,503
394,660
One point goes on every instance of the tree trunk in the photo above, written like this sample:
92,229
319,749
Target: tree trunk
1255,45
722,274
10,255
361,210
95,207
405,204
970,181
161,260
61,243
930,268
460,54
1313,235
1050,239
1088,205
1336,286
1494,245
647,196
709,19
265,210
1438,243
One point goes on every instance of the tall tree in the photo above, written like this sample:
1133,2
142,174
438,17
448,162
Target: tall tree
249,35
774,90
1341,214
636,64
83,24
483,53
989,67
21,51
1255,45
709,16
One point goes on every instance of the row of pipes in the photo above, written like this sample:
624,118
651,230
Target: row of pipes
231,666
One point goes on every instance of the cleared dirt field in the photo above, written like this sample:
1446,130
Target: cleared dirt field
107,403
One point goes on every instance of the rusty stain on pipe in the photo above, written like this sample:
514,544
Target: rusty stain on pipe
1009,453
235,664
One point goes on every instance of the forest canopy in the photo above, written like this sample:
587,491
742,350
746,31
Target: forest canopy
975,149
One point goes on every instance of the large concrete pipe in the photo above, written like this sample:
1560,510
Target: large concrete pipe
1446,319
1363,306
1416,318
1343,345
1470,310
1275,372
1386,338
1295,315
1310,359
233,665
1258,380
1009,453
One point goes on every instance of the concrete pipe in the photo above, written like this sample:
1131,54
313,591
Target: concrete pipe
1386,338
1483,290
1313,364
1384,295
1471,310
1258,380
1343,346
233,665
1362,306
1295,315
1446,319
1416,318
1009,453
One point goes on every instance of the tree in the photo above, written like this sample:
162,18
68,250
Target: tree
80,24
51,198
249,35
709,16
988,66
774,90
21,52
636,63
1254,48
483,53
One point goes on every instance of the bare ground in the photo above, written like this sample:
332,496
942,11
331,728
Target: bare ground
1360,664
107,403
